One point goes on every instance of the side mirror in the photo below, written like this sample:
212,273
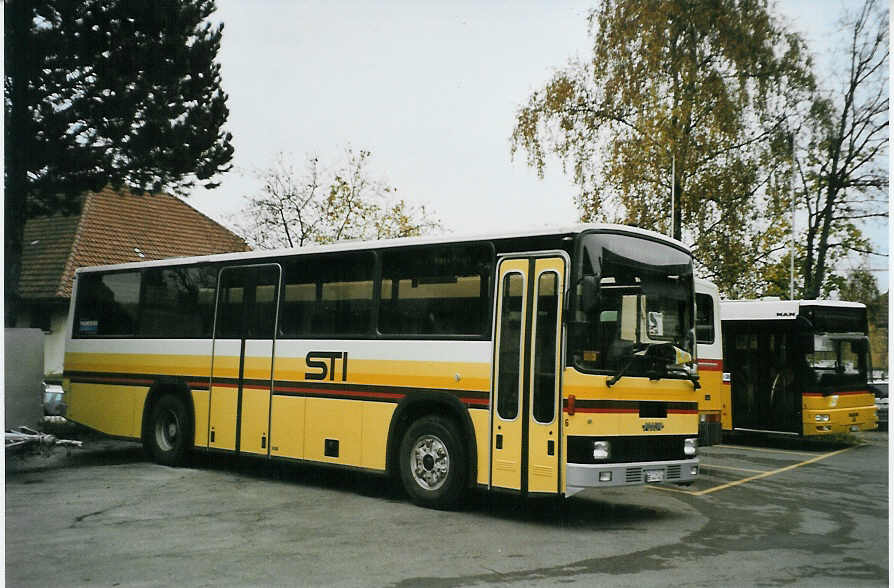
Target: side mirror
805,342
589,293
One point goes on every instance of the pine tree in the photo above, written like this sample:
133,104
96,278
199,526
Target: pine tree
107,92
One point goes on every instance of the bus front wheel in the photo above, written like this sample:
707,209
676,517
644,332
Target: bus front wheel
433,463
168,433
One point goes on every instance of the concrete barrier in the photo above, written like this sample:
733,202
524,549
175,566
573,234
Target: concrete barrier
23,377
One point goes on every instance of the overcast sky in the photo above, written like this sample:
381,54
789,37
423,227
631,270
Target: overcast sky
431,88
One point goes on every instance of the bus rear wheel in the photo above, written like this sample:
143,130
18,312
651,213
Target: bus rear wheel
433,463
169,432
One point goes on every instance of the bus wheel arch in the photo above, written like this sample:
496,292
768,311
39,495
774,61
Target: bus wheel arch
168,424
421,405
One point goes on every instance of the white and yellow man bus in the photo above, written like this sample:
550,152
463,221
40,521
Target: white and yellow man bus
543,362
798,367
714,400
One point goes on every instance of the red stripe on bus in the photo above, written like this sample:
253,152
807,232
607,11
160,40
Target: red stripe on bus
119,381
352,393
630,410
365,394
710,366
605,410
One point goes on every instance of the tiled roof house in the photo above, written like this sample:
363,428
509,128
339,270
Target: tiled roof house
112,227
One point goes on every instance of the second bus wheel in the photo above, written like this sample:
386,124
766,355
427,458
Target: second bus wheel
433,463
168,434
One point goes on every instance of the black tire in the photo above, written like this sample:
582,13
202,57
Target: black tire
168,435
433,465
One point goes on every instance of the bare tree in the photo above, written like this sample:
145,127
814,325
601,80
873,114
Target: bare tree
294,208
844,175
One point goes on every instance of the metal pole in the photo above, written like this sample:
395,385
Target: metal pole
673,189
792,282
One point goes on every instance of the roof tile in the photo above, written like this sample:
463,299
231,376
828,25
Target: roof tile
115,227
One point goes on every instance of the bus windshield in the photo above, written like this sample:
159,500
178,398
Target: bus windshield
633,295
838,354
838,360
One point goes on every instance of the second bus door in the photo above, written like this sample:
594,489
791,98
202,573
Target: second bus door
242,362
525,424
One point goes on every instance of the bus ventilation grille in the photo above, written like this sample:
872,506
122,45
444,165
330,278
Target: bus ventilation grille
673,472
634,475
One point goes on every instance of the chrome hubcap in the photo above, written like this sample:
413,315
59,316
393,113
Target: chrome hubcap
430,462
167,430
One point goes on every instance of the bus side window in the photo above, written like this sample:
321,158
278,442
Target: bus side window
704,318
178,302
327,295
435,291
108,304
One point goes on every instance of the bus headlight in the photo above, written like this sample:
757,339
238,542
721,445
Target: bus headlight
601,450
822,418
690,446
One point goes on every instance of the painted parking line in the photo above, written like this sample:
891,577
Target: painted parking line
755,477
711,466
788,451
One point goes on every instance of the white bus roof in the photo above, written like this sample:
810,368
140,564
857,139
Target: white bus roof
384,243
743,310
703,286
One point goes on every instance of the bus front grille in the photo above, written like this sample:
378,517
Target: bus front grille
630,449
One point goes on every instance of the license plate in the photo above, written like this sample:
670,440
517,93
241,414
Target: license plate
654,475
855,428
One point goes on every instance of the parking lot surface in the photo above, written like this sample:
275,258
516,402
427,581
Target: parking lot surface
763,512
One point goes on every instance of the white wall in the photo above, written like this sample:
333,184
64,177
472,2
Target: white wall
54,343
54,339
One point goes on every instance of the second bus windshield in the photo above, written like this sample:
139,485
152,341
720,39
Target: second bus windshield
632,292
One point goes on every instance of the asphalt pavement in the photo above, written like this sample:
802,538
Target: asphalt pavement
764,512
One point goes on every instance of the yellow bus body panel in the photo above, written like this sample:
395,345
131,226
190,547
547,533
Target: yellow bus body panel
408,374
224,400
113,410
376,421
335,419
200,404
253,435
226,366
191,366
481,424
715,398
635,389
287,427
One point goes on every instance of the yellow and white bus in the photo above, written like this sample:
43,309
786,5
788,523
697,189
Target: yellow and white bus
798,367
714,400
542,362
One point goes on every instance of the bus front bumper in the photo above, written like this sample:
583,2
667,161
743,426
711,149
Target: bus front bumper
840,420
581,476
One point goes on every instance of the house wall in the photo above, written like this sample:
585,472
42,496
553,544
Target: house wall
54,343
54,338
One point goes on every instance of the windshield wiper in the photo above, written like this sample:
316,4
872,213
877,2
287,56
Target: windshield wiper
665,355
614,379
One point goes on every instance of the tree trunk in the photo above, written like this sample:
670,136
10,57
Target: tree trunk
822,246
